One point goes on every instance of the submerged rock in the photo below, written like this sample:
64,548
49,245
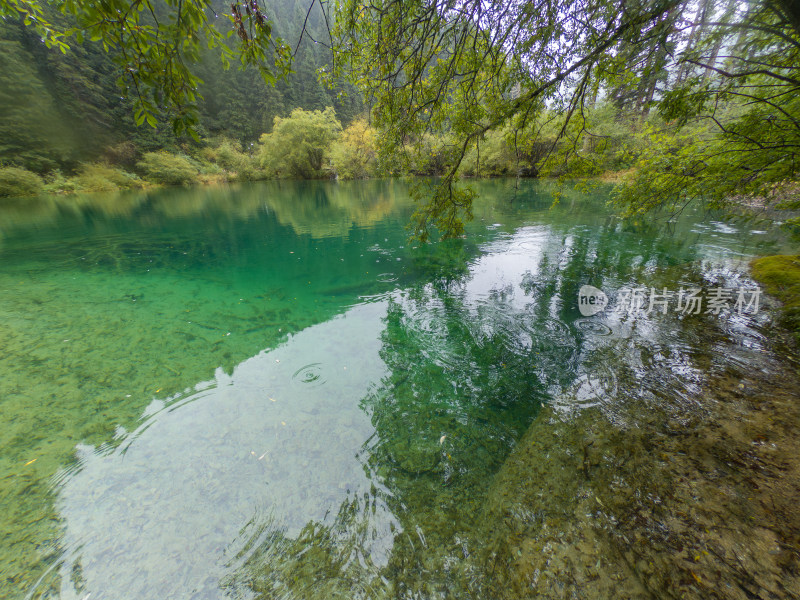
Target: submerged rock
589,508
414,457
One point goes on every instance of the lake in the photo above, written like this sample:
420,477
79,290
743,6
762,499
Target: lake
269,391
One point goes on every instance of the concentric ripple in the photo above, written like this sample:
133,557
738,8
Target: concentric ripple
311,375
594,327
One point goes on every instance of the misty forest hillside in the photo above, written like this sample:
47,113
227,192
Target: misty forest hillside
59,110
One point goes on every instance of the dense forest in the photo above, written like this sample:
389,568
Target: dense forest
64,114
676,99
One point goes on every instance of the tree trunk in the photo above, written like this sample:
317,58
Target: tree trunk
712,60
694,33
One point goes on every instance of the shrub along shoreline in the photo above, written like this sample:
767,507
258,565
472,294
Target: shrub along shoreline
314,145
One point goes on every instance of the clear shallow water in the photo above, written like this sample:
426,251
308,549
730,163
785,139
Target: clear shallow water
266,391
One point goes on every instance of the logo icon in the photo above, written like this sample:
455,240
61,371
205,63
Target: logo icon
591,300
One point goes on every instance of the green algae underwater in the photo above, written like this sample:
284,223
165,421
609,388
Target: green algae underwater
267,391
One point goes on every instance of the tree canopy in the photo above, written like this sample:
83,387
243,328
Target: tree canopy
722,75
298,143
712,85
60,110
156,44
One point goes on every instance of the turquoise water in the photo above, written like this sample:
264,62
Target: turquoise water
268,391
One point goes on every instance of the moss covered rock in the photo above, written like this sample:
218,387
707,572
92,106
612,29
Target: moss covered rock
780,276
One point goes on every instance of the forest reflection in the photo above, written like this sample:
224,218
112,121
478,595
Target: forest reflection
471,361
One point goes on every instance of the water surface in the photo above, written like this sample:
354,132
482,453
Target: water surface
268,391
